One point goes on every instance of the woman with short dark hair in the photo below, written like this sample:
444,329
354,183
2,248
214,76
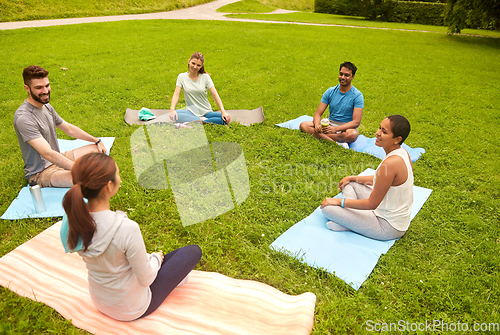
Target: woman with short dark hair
377,206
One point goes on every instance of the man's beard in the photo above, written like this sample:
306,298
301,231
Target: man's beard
37,98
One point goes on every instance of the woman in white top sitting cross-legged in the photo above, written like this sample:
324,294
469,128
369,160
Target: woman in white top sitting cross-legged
382,212
195,83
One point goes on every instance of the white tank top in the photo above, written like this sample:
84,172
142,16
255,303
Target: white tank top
398,202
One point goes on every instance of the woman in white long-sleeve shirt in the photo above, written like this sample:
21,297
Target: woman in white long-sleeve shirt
382,212
125,282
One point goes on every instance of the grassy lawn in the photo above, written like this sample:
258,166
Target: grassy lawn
246,6
446,265
342,20
13,10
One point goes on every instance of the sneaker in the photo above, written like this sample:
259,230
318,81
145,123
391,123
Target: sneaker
343,145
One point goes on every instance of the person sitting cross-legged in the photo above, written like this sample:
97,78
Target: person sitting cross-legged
381,213
345,103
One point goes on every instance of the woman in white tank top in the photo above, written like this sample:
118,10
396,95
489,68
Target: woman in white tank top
377,206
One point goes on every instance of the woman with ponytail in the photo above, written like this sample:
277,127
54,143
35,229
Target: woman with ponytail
125,282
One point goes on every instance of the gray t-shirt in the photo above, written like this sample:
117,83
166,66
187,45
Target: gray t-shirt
195,92
31,123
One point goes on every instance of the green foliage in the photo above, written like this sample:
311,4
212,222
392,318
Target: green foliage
342,7
457,14
377,9
460,14
430,13
371,9
446,265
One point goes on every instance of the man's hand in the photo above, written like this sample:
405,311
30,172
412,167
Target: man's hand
318,127
331,130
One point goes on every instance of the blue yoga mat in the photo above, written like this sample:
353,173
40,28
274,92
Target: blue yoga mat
22,207
348,255
362,143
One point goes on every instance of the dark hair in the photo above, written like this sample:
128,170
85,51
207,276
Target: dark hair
349,66
199,56
400,126
34,72
90,174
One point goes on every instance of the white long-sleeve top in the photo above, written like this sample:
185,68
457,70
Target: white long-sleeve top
119,268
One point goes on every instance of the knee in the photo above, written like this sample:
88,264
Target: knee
304,127
351,135
349,188
329,211
195,251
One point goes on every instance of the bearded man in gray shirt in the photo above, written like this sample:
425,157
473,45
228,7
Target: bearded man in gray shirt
35,123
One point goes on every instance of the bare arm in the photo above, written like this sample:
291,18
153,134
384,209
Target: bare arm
357,114
218,101
386,175
367,180
76,132
175,99
44,149
317,116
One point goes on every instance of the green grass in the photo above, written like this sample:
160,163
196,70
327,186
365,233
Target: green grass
290,4
355,21
446,265
246,6
13,10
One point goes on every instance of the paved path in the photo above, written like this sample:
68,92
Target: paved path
206,11
201,12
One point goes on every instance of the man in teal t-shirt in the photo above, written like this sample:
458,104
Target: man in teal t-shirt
345,104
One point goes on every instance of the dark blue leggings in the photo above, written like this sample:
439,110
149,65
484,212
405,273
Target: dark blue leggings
175,267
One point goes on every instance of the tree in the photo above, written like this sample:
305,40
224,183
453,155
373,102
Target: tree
460,14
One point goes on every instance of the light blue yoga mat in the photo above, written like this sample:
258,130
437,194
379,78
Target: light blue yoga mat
362,143
350,256
22,207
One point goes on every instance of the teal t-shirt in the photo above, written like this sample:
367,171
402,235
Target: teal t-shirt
341,105
64,236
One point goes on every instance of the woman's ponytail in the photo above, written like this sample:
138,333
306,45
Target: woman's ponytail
90,174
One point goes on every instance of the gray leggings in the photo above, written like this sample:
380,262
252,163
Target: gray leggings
363,222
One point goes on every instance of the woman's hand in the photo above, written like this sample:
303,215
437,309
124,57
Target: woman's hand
161,255
344,181
173,115
226,117
331,202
